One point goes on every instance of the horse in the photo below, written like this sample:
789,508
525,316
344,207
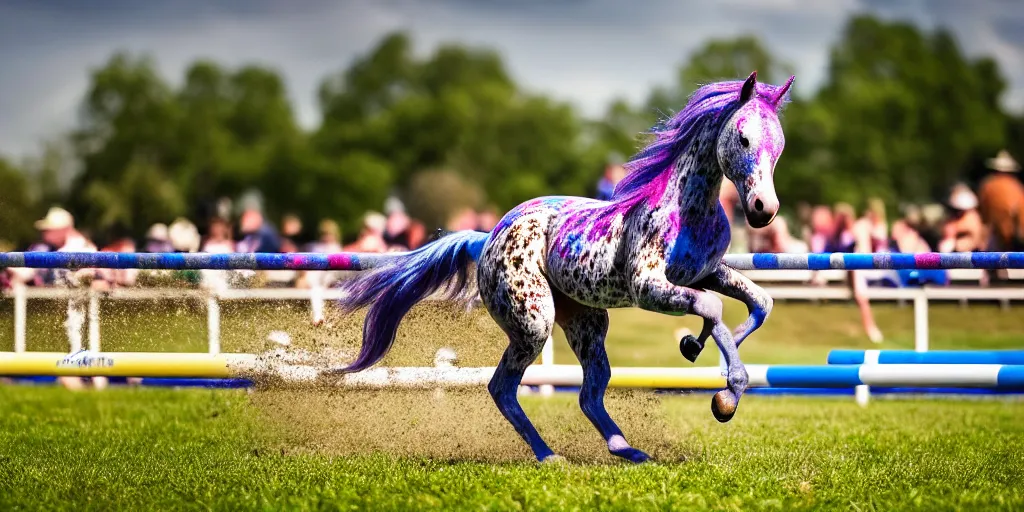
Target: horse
656,244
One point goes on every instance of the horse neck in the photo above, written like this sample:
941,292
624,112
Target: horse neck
695,183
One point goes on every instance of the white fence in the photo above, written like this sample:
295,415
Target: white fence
919,296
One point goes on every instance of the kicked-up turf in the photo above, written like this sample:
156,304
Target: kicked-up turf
151,449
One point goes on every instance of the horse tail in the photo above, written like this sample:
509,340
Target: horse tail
394,288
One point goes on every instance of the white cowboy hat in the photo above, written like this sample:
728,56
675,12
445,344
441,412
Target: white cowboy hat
56,218
963,198
158,232
184,236
1003,162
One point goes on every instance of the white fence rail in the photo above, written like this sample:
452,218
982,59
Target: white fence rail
919,296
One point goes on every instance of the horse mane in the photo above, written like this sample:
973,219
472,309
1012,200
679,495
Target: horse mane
705,110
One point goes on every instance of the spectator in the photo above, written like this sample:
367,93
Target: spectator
371,238
401,232
291,229
774,238
1001,198
258,235
58,230
463,220
870,234
963,230
157,239
487,219
318,280
822,229
184,237
119,276
613,174
218,241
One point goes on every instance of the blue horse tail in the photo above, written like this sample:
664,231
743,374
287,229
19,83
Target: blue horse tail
394,288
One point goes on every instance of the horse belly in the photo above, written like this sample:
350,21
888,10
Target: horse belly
590,277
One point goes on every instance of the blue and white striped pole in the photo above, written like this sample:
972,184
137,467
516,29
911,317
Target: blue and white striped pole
1004,357
364,261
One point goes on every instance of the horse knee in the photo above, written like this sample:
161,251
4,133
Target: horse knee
708,306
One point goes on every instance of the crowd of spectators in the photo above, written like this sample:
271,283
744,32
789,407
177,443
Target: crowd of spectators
956,225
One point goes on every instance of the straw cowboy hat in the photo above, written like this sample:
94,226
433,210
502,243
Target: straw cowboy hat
56,218
1003,162
962,198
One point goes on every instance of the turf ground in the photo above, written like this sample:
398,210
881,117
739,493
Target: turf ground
141,449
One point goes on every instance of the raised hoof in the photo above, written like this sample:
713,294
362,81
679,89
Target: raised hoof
690,348
723,405
632,455
553,459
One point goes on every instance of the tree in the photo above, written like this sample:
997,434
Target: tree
457,110
909,111
128,147
19,210
718,59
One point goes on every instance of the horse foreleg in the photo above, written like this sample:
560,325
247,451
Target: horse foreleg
658,294
731,283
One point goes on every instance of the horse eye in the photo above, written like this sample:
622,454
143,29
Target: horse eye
744,141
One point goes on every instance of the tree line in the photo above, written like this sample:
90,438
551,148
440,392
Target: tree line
902,115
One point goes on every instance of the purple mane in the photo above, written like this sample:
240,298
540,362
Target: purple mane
707,107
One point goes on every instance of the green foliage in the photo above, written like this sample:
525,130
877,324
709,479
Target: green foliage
909,111
17,207
902,115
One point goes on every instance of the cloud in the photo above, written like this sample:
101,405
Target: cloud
587,52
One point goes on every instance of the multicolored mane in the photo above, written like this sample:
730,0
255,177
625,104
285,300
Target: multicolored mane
710,104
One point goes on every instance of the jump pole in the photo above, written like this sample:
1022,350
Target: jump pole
199,365
366,261
1007,357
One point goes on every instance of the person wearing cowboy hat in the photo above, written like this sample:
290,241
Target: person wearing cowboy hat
963,230
57,230
1001,203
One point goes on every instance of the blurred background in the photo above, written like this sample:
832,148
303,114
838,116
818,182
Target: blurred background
275,126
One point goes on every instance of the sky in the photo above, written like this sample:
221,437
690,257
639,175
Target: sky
587,52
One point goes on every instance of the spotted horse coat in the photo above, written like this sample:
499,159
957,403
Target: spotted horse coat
657,244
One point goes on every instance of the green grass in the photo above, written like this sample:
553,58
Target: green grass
148,449
145,449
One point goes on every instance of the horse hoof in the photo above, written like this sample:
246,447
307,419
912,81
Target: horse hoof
553,459
632,454
723,405
690,348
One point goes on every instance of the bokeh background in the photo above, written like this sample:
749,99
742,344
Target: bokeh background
134,114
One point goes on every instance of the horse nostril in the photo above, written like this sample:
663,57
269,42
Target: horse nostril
758,205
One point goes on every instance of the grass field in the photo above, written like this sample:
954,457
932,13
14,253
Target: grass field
148,449
145,449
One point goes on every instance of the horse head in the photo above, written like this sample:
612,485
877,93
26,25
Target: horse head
750,144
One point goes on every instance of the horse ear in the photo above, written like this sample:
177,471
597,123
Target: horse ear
782,91
748,88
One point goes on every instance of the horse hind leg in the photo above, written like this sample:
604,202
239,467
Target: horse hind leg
504,387
585,329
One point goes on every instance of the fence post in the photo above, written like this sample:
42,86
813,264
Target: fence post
20,316
862,393
94,321
547,357
921,321
213,323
